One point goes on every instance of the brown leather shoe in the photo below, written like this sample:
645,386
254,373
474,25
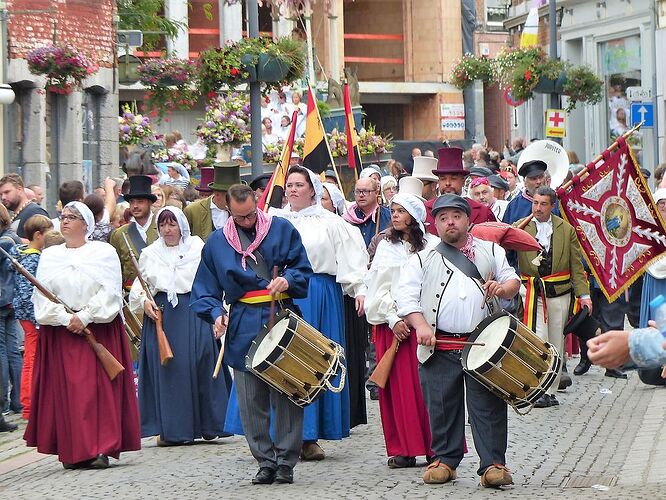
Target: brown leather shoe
312,451
495,476
438,473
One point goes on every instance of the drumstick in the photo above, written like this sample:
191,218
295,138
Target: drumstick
464,342
485,292
271,317
218,365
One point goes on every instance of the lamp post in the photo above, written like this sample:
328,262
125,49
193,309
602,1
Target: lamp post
255,96
552,39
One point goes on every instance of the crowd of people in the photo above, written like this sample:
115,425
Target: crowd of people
396,270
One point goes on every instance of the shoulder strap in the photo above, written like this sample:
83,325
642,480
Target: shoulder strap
259,267
460,260
135,237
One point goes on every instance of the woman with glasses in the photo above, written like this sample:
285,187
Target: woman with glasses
339,260
179,402
403,412
77,412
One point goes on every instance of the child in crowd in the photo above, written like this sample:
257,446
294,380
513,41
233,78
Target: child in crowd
36,228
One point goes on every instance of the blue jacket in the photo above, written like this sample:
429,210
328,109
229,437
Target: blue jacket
7,241
23,306
221,276
369,228
645,348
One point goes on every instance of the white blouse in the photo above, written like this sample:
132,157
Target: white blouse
382,280
333,247
166,269
87,279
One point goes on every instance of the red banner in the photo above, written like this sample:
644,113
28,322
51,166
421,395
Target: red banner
617,223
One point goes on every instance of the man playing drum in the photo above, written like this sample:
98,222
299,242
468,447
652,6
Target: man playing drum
235,264
442,295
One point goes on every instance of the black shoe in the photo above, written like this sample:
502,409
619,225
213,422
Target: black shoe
374,393
99,462
612,372
553,400
6,426
565,381
284,474
266,475
543,402
583,366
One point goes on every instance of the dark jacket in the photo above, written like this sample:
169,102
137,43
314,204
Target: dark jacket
7,241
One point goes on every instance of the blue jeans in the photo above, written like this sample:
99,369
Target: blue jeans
11,362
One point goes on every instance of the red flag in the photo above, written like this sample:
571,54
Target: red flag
353,152
616,220
274,191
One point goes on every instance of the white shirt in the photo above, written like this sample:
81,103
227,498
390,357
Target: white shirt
219,215
460,305
544,230
498,208
333,247
143,229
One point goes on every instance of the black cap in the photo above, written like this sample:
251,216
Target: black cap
260,182
497,182
533,168
480,172
646,173
451,201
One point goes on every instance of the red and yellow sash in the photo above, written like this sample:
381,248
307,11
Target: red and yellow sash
535,288
260,297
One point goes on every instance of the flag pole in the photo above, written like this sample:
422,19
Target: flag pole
328,146
289,145
585,170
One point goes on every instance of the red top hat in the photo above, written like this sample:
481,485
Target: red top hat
207,174
450,162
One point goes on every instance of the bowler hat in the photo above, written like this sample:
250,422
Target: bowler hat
450,162
451,201
226,175
140,188
583,325
206,178
423,167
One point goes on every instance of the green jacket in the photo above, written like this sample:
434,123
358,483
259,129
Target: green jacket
199,217
566,257
118,242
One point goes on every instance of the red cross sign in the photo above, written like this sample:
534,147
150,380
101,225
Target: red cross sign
555,123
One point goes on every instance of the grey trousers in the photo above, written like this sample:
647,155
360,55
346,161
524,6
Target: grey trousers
255,399
442,383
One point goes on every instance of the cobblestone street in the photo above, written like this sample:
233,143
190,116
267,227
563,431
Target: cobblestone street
593,438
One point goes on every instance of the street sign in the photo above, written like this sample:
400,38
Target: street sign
508,98
642,111
452,117
637,94
556,121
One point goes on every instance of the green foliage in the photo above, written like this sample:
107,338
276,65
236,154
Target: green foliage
146,16
583,85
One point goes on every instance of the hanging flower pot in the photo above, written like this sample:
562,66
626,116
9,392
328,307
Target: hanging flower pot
271,68
63,67
250,67
551,85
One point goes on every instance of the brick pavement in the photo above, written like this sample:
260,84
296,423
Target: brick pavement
591,434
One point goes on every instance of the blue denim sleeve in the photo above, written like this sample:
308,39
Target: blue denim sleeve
645,348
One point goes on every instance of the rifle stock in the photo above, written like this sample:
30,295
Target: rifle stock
166,354
383,369
111,365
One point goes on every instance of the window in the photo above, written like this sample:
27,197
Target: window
90,130
496,13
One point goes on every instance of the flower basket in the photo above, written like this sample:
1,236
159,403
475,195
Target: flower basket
547,85
64,67
172,84
133,128
471,68
226,121
271,68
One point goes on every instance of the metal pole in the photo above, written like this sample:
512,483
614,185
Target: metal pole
655,110
552,38
255,96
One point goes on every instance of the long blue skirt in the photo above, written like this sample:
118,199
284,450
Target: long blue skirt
181,401
652,288
328,416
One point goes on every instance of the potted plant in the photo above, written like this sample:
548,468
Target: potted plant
273,151
64,67
221,66
582,85
171,84
133,128
225,124
374,145
470,68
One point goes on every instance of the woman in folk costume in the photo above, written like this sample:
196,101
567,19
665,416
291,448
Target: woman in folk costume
337,257
77,412
179,402
403,412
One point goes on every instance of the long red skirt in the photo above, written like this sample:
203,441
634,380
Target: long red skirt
76,412
403,411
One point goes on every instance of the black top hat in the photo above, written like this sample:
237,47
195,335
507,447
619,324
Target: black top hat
140,188
226,175
583,325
